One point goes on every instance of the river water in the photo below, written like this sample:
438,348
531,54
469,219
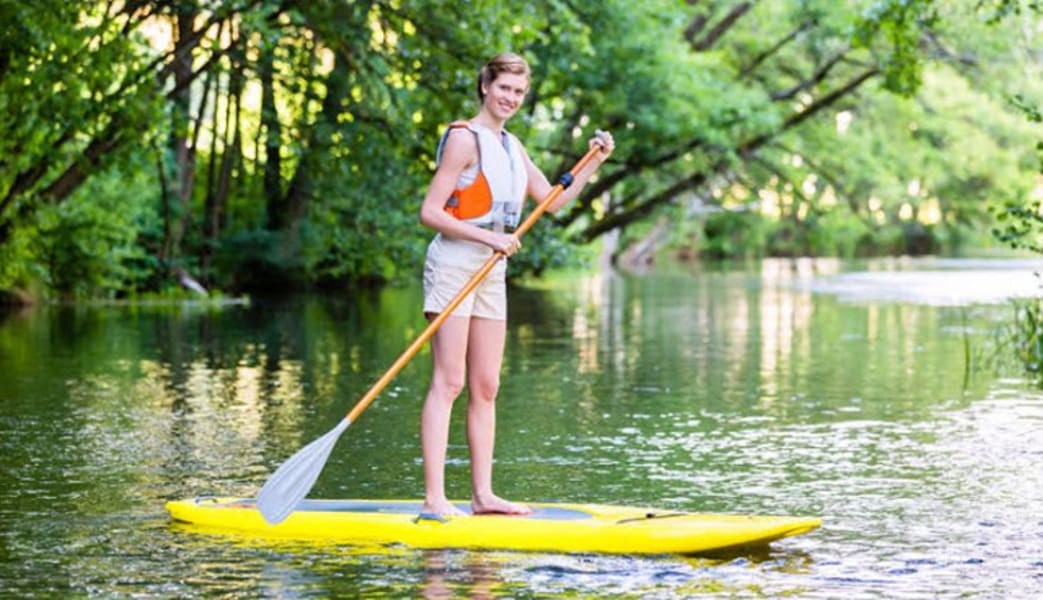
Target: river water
860,393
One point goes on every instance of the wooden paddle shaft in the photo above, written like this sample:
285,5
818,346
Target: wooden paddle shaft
472,283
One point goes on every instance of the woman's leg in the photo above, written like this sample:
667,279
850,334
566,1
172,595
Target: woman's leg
449,355
484,358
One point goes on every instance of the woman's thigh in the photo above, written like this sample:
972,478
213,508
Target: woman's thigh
485,346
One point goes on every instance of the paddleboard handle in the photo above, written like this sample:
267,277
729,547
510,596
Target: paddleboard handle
430,516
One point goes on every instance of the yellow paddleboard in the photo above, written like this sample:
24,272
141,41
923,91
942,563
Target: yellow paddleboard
550,527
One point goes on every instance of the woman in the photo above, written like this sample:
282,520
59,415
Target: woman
473,203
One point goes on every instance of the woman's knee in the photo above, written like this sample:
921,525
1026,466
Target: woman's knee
484,388
447,387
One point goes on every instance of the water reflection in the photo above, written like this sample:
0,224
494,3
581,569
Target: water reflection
727,390
449,574
237,567
743,337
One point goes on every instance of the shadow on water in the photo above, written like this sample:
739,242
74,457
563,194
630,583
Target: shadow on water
333,570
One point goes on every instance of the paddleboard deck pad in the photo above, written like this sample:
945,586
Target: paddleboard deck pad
551,527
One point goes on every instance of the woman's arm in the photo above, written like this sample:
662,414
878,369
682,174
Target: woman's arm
539,187
459,153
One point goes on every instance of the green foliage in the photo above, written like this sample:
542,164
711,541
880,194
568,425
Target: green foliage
1019,215
997,11
1024,335
17,269
1019,224
898,23
836,233
89,248
67,80
300,142
1019,218
912,178
66,94
544,248
734,234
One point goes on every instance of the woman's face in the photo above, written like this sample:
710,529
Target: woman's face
504,96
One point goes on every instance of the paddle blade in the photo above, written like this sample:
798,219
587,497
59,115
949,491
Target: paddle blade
291,482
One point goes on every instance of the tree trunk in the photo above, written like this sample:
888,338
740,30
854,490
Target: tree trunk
272,131
317,144
180,143
116,134
217,194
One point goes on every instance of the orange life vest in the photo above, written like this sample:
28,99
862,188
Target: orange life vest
495,198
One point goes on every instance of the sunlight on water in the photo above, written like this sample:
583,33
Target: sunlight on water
936,283
779,389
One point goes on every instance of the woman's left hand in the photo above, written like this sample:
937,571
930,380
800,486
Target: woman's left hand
605,141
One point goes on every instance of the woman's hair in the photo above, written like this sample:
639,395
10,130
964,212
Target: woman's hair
505,62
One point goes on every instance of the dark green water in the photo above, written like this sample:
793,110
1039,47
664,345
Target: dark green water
775,389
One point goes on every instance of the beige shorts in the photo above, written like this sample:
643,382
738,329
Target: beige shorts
442,282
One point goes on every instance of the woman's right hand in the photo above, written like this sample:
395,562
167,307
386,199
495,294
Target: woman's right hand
506,243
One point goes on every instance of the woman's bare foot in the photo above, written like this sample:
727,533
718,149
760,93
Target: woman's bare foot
497,505
441,508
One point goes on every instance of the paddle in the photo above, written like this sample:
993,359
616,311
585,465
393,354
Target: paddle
291,482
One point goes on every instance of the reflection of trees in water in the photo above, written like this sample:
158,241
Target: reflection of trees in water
273,374
755,336
455,574
594,365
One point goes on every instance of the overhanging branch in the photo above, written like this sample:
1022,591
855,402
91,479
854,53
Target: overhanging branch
763,56
744,150
718,30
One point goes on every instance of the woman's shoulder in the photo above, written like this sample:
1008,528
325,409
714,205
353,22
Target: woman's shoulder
458,144
459,133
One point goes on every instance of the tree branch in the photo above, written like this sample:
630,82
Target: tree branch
763,56
743,150
817,77
718,30
812,109
695,27
645,208
32,175
628,169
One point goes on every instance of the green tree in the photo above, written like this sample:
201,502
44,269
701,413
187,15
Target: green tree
273,144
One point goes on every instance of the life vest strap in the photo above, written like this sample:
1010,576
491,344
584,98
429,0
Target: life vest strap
499,227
